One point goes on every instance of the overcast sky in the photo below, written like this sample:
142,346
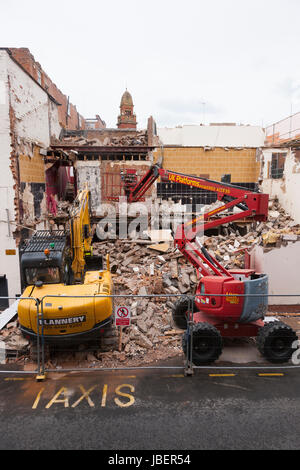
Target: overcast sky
239,57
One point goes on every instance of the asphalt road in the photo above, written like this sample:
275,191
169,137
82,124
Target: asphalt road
154,410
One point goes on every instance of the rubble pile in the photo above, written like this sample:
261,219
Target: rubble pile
229,247
142,268
16,346
139,138
63,209
144,271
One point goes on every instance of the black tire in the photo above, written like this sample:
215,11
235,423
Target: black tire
180,310
274,341
207,344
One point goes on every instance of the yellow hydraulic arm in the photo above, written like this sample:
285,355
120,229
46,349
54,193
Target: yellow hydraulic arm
80,232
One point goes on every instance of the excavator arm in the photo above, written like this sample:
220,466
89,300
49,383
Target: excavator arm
80,232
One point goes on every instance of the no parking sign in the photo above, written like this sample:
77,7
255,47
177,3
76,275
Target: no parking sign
122,315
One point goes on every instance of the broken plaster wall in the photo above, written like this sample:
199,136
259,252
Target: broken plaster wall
9,263
88,172
104,182
28,118
286,189
35,122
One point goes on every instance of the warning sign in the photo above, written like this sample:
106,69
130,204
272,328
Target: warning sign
122,315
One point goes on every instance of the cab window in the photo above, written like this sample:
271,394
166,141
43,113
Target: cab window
49,275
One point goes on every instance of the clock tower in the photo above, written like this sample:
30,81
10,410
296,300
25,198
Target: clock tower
126,119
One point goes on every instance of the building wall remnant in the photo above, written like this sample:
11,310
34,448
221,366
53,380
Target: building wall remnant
89,173
214,135
32,183
103,154
95,123
213,152
24,123
213,164
282,181
30,118
282,267
8,183
68,115
284,131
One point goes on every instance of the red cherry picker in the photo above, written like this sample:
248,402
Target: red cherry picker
228,302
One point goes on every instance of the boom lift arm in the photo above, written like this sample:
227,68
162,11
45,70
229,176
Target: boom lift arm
252,204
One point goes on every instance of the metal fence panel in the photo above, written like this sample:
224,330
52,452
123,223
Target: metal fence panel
171,341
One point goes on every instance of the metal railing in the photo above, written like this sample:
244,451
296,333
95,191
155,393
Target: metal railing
37,371
187,366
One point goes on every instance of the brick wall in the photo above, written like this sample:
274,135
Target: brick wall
32,169
67,120
241,164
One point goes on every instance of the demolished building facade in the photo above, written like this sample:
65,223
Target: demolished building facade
33,112
48,151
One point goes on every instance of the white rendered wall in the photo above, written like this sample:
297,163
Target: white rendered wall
283,268
35,119
286,189
9,264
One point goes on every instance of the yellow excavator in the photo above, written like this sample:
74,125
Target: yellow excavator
57,265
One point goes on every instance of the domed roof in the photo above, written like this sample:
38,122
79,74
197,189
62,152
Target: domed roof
126,99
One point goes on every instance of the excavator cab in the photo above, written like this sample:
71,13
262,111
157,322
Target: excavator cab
44,259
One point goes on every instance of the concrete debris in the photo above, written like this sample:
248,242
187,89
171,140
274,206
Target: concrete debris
111,139
8,314
164,235
230,245
146,339
13,339
161,247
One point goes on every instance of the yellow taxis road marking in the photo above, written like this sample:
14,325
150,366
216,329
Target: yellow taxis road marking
65,400
62,396
104,395
271,375
85,394
174,375
14,378
222,375
131,397
36,401
126,376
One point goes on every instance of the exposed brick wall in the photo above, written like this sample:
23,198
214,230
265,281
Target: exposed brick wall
71,120
241,164
32,169
26,59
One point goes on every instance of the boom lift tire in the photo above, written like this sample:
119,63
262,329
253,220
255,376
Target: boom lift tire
206,345
180,309
275,341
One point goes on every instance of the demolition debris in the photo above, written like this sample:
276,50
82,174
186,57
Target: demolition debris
142,269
